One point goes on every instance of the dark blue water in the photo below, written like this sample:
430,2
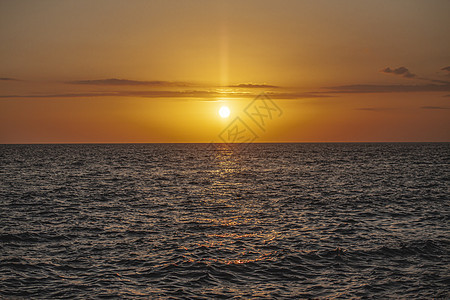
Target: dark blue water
192,221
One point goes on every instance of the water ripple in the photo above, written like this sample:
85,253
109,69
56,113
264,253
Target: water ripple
184,221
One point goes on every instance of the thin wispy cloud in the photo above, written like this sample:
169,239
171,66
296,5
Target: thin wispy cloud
401,71
434,107
195,94
375,109
447,70
297,95
374,88
205,92
252,85
127,82
242,90
436,85
145,94
436,80
62,95
159,83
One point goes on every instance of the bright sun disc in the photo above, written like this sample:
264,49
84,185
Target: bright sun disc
224,112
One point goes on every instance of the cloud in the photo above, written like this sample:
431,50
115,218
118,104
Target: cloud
146,94
198,94
437,80
373,88
62,95
8,79
401,71
404,72
298,95
372,108
447,70
158,83
127,82
434,107
252,85
143,94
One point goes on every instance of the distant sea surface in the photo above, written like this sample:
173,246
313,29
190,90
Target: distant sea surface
205,221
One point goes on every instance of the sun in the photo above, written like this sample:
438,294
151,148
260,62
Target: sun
224,112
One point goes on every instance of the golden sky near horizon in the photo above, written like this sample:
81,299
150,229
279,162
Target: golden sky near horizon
159,71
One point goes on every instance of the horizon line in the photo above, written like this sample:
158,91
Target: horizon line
305,142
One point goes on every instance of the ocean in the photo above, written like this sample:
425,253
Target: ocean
199,221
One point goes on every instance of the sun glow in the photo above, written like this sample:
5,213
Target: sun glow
224,112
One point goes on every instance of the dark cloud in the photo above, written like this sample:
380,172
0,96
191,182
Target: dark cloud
127,82
434,107
447,70
401,71
8,79
251,85
373,88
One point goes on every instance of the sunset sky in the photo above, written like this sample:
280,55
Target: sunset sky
159,71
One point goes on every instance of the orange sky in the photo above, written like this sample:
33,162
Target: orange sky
158,71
